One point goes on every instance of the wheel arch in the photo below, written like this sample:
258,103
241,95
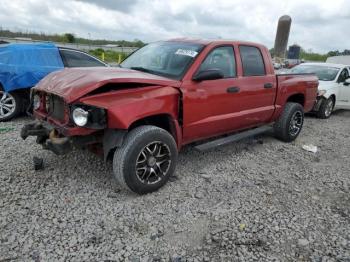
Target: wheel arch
114,138
297,98
163,120
334,98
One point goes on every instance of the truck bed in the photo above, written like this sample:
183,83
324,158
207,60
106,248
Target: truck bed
289,84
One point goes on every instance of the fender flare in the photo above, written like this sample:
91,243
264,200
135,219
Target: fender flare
112,139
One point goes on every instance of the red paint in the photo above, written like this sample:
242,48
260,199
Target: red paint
204,109
73,83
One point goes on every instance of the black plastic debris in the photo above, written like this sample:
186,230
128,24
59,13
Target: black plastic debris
38,163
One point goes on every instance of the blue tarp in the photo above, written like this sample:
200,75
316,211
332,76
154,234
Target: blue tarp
24,65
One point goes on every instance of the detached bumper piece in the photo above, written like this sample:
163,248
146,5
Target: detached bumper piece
49,138
319,101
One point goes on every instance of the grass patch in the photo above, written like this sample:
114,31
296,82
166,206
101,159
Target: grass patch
109,55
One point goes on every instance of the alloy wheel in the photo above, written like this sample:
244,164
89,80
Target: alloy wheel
296,123
153,162
7,104
329,108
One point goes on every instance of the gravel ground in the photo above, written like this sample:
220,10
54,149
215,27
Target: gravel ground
256,200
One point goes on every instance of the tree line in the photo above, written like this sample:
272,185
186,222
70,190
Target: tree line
68,38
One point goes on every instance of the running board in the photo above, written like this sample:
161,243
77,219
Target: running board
233,138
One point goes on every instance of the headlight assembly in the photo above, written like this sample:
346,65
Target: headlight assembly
36,102
321,92
88,116
80,116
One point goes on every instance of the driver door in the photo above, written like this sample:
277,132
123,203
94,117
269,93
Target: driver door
343,100
210,104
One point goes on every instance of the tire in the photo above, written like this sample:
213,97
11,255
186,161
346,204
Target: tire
146,160
288,126
10,105
326,108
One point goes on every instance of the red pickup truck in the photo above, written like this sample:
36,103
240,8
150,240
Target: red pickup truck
163,96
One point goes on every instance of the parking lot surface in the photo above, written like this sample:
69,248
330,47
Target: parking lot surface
259,199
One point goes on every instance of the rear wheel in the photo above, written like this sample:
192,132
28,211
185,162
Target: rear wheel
288,126
10,105
146,159
326,108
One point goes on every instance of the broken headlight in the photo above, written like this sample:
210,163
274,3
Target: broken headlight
80,116
89,116
36,102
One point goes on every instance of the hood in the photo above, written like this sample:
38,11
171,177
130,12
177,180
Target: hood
73,83
326,85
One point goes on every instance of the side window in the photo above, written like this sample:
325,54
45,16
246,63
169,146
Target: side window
73,58
343,76
252,61
221,58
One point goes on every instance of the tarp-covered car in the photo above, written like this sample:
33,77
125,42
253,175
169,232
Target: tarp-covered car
22,66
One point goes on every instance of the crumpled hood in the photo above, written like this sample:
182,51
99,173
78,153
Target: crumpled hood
73,83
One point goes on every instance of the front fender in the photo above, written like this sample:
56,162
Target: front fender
127,106
329,93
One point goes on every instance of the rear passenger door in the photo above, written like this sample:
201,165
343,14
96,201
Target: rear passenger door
259,82
74,58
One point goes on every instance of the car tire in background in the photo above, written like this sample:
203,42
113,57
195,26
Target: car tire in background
288,126
326,108
10,105
146,159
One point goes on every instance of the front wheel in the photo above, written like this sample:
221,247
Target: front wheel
146,159
326,108
288,126
10,105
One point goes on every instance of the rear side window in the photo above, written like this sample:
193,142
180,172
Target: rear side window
252,61
78,59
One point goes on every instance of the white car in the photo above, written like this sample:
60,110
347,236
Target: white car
333,89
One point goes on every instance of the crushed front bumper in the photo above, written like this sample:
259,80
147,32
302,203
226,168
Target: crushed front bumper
50,139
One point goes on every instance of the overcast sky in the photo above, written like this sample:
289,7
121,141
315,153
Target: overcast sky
320,25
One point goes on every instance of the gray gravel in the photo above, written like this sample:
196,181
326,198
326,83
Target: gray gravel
256,200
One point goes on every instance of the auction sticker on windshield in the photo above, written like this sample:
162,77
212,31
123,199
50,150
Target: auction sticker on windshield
185,52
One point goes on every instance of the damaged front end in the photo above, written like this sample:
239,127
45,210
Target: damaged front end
51,140
59,126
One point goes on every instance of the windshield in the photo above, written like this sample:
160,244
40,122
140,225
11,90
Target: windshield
170,59
324,73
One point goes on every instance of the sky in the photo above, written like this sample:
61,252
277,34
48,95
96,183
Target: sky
319,25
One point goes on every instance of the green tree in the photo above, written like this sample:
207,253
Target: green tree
70,38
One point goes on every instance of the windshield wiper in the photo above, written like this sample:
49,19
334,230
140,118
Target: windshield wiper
142,69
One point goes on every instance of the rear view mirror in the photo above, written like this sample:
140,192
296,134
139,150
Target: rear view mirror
209,74
347,82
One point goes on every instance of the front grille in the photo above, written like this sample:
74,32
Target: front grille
55,107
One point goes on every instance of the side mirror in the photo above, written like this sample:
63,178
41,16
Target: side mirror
347,82
209,74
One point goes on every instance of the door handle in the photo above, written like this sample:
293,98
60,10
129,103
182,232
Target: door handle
233,89
268,85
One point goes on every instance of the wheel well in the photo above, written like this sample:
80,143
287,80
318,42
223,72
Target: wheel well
333,96
297,98
163,121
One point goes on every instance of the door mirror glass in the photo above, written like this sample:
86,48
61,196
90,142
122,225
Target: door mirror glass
209,74
347,82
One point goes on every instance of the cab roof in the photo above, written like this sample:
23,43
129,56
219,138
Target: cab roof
212,41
